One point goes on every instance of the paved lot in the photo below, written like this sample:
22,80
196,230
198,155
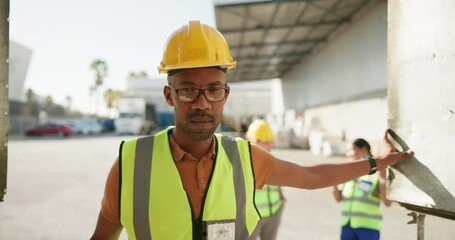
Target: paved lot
55,187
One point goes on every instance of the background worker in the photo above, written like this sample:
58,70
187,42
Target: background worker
186,182
269,200
361,215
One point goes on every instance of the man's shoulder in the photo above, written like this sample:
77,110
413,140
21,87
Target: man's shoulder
230,137
160,133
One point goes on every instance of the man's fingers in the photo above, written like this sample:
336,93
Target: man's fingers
409,153
388,143
402,156
386,136
406,154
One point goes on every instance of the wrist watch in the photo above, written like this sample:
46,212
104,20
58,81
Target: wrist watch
373,165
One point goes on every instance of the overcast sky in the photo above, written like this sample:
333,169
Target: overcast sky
66,36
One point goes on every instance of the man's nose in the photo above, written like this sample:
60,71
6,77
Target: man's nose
201,102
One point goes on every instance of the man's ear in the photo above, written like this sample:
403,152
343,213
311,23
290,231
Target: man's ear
167,95
227,94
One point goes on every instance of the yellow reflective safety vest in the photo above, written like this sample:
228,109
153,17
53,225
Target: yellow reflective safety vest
268,200
361,207
155,205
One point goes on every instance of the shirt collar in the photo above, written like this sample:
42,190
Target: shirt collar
178,154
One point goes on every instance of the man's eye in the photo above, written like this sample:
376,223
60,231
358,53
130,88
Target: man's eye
213,90
189,90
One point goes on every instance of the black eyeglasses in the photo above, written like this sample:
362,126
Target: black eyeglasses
211,94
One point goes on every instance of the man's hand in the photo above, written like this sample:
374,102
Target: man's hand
391,155
329,174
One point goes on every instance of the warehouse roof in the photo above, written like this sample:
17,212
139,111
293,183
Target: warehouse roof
268,38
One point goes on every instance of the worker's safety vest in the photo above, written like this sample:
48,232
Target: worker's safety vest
361,208
154,204
268,200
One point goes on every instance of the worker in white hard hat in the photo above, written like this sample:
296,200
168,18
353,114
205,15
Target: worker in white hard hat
269,200
186,182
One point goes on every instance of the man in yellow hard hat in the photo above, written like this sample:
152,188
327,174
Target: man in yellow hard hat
186,182
269,200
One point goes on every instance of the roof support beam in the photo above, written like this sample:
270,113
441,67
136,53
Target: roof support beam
281,55
255,3
260,27
297,42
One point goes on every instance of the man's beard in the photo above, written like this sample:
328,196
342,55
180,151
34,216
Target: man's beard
199,135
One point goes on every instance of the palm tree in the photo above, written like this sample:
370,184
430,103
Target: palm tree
132,75
69,101
141,74
30,94
112,97
100,68
48,103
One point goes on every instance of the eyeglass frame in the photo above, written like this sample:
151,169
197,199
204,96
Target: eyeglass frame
226,89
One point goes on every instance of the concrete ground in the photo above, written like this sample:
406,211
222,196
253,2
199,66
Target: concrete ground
55,188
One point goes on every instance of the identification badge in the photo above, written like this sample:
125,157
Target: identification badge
221,230
365,186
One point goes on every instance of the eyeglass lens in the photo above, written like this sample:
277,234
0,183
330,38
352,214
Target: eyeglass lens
212,94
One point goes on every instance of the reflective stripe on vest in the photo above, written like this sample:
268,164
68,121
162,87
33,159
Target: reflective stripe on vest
361,209
154,204
268,200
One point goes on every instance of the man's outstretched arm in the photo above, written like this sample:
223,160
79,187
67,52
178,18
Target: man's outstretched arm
325,175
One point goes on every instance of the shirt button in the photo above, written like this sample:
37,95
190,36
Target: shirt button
201,181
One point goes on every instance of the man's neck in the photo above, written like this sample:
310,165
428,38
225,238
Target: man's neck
197,149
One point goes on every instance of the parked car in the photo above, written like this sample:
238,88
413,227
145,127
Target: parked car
92,125
108,124
49,129
84,126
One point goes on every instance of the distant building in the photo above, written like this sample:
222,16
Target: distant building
19,60
252,99
149,89
152,91
247,100
22,114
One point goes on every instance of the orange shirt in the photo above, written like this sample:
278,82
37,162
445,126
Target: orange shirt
194,174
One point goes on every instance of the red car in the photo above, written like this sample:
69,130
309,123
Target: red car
49,129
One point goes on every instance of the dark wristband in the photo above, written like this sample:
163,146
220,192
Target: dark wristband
373,165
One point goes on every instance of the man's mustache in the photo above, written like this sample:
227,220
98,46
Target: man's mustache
202,114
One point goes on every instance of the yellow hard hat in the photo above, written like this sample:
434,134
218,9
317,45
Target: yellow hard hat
259,130
196,45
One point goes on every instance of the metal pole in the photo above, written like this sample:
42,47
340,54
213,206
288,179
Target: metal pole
419,219
420,226
4,109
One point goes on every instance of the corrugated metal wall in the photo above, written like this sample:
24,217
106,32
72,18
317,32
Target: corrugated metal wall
352,66
344,86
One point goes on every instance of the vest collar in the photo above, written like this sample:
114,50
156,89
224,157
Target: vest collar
178,154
